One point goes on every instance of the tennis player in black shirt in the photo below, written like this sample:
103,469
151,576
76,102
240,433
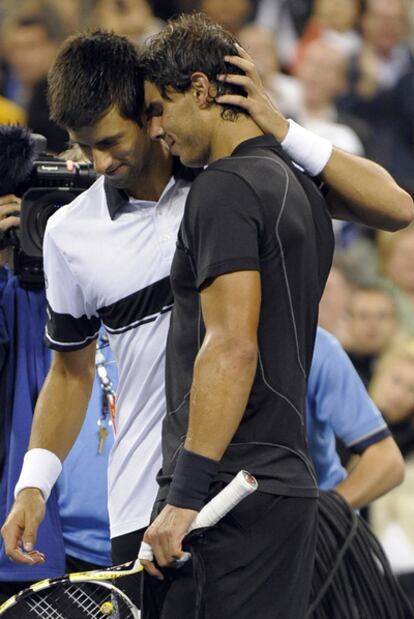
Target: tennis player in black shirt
253,253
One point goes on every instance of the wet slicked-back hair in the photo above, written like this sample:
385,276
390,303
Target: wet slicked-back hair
191,43
94,72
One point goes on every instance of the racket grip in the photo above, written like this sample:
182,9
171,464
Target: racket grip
241,486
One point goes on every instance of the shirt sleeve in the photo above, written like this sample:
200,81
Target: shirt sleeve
222,226
70,325
342,400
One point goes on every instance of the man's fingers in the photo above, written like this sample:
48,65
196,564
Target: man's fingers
241,63
29,537
243,53
238,100
10,222
247,66
10,199
9,212
149,567
27,558
20,529
160,548
36,555
9,209
168,552
165,546
236,80
19,555
166,533
32,520
11,533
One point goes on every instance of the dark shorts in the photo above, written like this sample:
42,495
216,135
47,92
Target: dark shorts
125,548
256,563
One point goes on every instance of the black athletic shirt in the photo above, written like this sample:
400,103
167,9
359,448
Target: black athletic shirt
253,211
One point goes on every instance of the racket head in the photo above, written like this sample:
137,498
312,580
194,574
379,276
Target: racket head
60,598
108,573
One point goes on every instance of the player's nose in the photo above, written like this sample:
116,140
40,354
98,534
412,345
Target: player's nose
102,161
156,130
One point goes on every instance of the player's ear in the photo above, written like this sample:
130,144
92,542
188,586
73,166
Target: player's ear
202,89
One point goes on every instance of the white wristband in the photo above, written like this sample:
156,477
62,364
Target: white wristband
41,468
306,148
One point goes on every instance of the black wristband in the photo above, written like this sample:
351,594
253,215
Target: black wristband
191,481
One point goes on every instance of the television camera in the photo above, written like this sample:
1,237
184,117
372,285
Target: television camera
45,183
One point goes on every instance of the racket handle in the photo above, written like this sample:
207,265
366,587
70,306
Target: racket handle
240,487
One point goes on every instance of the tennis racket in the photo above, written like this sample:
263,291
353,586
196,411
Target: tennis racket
89,595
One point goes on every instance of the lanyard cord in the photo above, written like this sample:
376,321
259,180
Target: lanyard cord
108,390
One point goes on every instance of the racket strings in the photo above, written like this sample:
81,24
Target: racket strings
71,601
41,607
80,598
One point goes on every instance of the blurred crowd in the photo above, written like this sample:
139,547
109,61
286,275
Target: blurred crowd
345,70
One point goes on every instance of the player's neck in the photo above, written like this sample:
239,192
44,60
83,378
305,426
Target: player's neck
227,135
154,177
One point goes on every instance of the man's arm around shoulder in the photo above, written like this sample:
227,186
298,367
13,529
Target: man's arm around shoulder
361,190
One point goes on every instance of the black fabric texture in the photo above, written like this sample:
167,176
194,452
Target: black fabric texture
138,308
256,562
65,332
253,210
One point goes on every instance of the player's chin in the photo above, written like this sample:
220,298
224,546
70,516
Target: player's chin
120,182
191,161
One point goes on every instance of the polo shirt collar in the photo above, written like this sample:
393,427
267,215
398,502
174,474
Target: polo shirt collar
260,140
263,141
115,198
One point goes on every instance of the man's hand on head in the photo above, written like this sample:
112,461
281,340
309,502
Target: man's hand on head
165,536
256,102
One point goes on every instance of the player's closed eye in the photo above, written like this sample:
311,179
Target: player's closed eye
154,110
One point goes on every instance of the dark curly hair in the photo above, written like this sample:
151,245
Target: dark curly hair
191,43
93,72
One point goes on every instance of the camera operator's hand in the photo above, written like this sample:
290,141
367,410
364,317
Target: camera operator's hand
9,209
9,218
20,529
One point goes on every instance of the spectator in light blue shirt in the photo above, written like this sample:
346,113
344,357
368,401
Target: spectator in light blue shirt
338,405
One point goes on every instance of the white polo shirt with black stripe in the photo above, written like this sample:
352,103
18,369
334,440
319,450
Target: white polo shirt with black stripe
107,259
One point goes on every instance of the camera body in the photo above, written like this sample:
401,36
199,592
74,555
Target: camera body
51,185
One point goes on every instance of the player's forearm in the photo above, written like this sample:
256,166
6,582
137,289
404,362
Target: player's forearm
362,191
379,469
223,376
374,198
59,414
368,193
60,410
